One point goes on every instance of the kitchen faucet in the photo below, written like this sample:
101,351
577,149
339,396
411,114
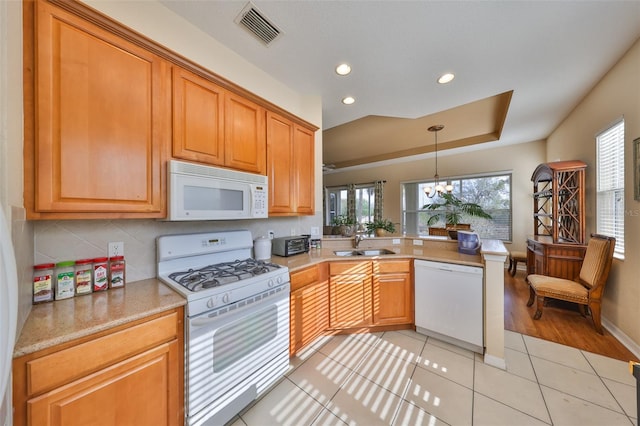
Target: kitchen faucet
357,239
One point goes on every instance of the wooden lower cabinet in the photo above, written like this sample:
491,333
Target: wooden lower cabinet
347,295
554,260
370,293
350,294
131,375
309,306
392,292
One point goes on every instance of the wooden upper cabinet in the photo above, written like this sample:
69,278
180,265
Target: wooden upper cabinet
97,135
280,161
198,118
303,149
290,159
245,135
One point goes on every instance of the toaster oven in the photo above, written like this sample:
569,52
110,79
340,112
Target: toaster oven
288,246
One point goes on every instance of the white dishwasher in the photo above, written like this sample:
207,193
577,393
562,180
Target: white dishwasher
449,303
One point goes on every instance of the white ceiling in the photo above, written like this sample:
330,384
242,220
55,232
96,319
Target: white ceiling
549,53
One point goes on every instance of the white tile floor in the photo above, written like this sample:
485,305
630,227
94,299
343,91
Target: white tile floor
405,378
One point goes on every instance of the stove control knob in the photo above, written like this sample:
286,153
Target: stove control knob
225,298
279,279
211,303
270,282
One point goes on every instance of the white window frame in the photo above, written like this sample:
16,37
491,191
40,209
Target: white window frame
610,211
341,203
413,198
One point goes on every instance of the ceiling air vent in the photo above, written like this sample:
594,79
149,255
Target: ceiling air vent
254,21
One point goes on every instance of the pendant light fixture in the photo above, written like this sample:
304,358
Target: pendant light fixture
439,188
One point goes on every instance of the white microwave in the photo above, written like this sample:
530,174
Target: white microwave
198,192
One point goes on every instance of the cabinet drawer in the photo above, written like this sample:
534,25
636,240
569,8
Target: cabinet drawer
350,267
61,367
305,277
390,266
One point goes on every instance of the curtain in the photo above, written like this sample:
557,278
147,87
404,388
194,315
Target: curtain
378,191
351,202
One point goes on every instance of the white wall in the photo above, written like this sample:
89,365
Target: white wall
521,160
616,95
11,137
11,160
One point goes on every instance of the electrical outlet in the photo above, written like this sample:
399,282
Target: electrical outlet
417,242
116,249
315,230
271,234
293,231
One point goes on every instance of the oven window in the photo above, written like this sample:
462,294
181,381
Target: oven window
201,198
238,339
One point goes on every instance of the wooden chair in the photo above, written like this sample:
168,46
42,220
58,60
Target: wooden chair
586,289
514,258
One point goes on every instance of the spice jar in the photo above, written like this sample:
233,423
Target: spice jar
100,274
43,283
84,276
65,282
116,271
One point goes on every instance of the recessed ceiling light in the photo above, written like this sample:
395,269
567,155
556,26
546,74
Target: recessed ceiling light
446,78
343,69
348,100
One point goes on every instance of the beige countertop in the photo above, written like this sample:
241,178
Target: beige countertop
50,324
57,322
434,249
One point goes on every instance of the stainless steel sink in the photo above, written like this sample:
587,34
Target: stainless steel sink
363,252
346,252
374,252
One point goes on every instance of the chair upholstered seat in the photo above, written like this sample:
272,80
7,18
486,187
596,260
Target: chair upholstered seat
586,289
568,290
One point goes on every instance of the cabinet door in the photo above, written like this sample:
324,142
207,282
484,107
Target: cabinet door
392,299
102,110
309,306
309,315
350,300
280,158
141,390
198,118
304,170
290,162
245,135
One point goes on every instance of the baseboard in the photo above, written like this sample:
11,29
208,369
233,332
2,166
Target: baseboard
622,338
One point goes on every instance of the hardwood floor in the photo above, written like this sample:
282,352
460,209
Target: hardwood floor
560,322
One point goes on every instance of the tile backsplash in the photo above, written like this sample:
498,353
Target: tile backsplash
56,241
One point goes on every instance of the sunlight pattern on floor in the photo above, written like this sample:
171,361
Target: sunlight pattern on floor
405,378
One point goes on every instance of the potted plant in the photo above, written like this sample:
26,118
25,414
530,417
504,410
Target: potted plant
343,225
451,209
380,227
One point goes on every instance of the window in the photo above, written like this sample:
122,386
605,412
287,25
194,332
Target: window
336,203
610,185
492,193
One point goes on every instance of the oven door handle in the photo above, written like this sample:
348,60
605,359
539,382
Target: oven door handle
201,322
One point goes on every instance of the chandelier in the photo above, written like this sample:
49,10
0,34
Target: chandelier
439,188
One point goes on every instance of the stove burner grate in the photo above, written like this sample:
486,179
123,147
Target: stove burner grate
221,273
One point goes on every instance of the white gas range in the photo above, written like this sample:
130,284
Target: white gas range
237,320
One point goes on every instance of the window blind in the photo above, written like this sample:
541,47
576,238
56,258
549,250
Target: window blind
610,185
